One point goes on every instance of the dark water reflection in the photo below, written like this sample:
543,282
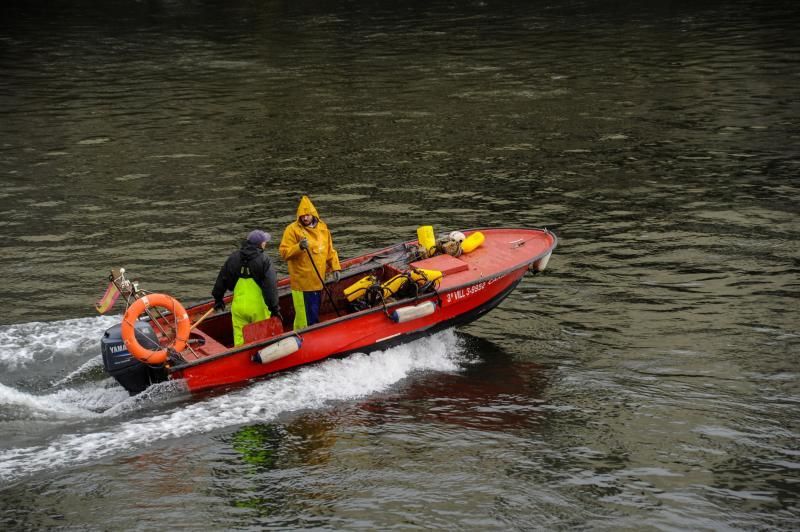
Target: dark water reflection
647,380
334,468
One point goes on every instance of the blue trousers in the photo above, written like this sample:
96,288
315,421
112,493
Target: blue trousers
306,308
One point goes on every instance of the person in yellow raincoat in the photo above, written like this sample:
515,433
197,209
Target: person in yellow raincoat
307,237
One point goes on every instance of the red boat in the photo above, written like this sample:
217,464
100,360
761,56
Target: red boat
382,299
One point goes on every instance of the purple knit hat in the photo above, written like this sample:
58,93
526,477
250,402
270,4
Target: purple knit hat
258,236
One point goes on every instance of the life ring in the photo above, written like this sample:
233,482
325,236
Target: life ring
182,327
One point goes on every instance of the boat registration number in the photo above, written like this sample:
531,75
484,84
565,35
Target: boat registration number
455,295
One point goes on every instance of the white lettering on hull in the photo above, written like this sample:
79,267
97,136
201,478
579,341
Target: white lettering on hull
461,293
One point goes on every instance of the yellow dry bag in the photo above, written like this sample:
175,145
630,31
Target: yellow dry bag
472,242
426,239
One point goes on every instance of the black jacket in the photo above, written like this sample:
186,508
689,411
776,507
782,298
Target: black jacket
249,261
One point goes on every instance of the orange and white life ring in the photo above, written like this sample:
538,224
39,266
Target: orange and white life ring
182,327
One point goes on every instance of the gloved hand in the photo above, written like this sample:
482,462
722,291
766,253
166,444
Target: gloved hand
219,305
304,243
334,276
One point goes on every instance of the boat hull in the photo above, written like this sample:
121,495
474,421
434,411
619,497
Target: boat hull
470,286
364,333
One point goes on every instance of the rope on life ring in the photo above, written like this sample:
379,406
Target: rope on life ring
182,327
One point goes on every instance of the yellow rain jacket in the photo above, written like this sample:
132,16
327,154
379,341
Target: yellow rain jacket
320,244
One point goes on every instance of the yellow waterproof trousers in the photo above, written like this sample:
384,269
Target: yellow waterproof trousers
247,307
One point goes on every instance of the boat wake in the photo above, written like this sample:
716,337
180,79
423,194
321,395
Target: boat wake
27,344
120,423
67,405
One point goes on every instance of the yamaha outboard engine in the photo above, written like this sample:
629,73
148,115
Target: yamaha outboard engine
132,374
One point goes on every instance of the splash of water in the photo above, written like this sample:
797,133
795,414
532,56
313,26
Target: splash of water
309,387
25,343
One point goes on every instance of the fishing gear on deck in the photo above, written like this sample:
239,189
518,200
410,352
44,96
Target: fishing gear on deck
368,291
454,244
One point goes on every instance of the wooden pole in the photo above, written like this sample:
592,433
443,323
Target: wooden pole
204,316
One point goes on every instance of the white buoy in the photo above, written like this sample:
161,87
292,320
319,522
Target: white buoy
273,352
541,264
405,314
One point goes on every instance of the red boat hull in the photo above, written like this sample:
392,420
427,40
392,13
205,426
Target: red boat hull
472,285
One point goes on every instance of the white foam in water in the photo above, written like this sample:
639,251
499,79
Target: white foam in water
92,363
27,406
308,387
24,343
87,401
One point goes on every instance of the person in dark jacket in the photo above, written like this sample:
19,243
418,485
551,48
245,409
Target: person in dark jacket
249,274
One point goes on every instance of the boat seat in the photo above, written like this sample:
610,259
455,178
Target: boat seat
447,264
261,330
202,345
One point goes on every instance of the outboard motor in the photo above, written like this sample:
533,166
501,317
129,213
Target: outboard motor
133,375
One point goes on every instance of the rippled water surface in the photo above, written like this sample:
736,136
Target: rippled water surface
648,380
